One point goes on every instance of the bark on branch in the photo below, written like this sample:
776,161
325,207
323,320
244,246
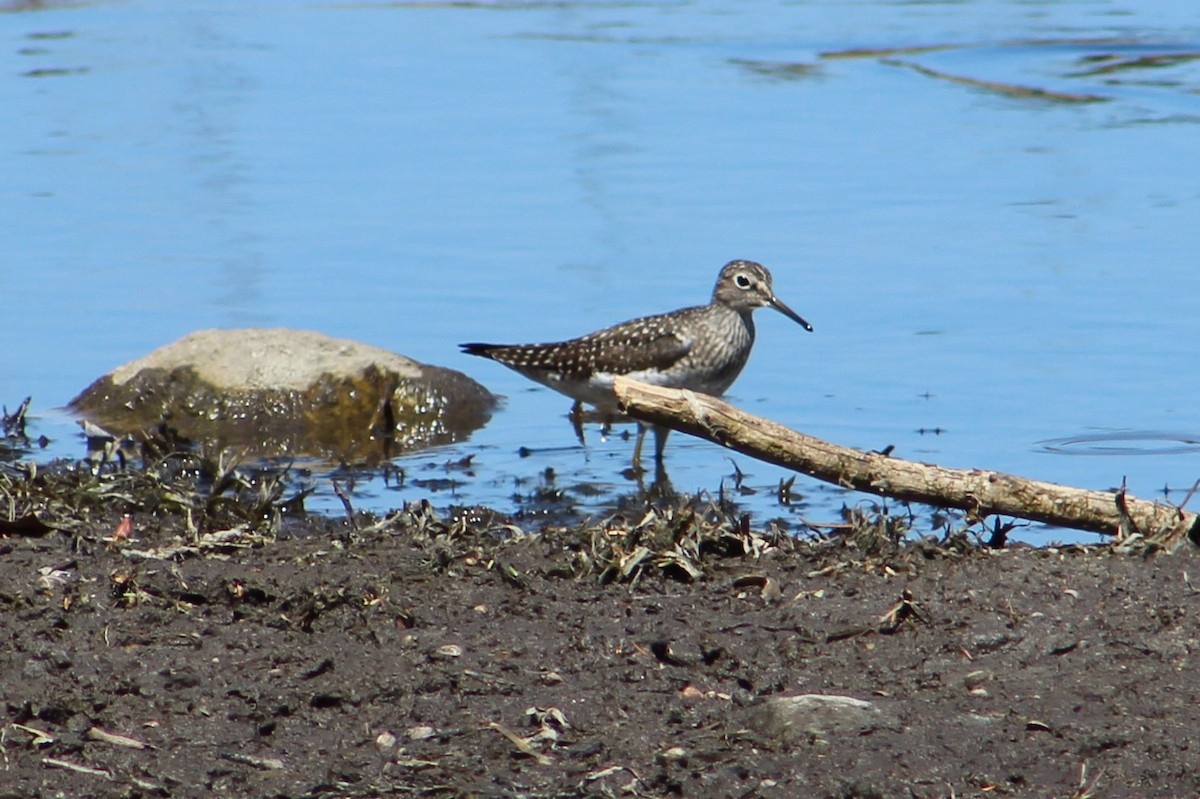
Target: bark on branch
976,491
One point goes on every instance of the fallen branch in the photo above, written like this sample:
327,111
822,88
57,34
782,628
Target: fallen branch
978,492
55,762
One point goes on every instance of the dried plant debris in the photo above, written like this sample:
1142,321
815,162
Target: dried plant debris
16,442
165,499
193,493
14,423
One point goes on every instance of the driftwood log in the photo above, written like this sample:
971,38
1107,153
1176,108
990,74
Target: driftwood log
978,492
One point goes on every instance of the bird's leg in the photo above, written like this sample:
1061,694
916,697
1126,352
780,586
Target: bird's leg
660,442
662,484
576,417
637,448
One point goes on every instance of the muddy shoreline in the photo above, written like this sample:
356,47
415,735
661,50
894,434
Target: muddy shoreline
181,631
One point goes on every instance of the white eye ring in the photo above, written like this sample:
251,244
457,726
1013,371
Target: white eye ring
742,281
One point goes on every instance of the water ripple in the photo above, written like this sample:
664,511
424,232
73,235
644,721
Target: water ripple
1128,442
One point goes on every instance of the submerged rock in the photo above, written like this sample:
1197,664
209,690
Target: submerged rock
280,392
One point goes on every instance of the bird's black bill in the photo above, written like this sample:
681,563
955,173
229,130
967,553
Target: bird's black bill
780,306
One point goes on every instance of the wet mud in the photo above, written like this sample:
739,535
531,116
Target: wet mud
171,653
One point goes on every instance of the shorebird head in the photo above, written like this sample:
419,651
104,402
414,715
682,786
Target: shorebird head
746,285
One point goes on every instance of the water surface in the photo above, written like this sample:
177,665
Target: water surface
987,269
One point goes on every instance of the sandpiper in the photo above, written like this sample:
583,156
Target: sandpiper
702,348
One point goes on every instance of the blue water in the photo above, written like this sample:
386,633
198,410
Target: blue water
984,272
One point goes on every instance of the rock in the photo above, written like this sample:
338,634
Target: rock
279,392
790,718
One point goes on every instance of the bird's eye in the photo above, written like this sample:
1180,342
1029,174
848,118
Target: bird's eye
742,281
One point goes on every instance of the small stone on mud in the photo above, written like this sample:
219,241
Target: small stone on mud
676,754
790,718
420,733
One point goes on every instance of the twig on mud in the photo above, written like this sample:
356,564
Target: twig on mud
54,762
340,494
833,568
97,734
521,744
264,763
1086,790
1188,582
40,737
608,772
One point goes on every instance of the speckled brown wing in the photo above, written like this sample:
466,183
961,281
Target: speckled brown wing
652,342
